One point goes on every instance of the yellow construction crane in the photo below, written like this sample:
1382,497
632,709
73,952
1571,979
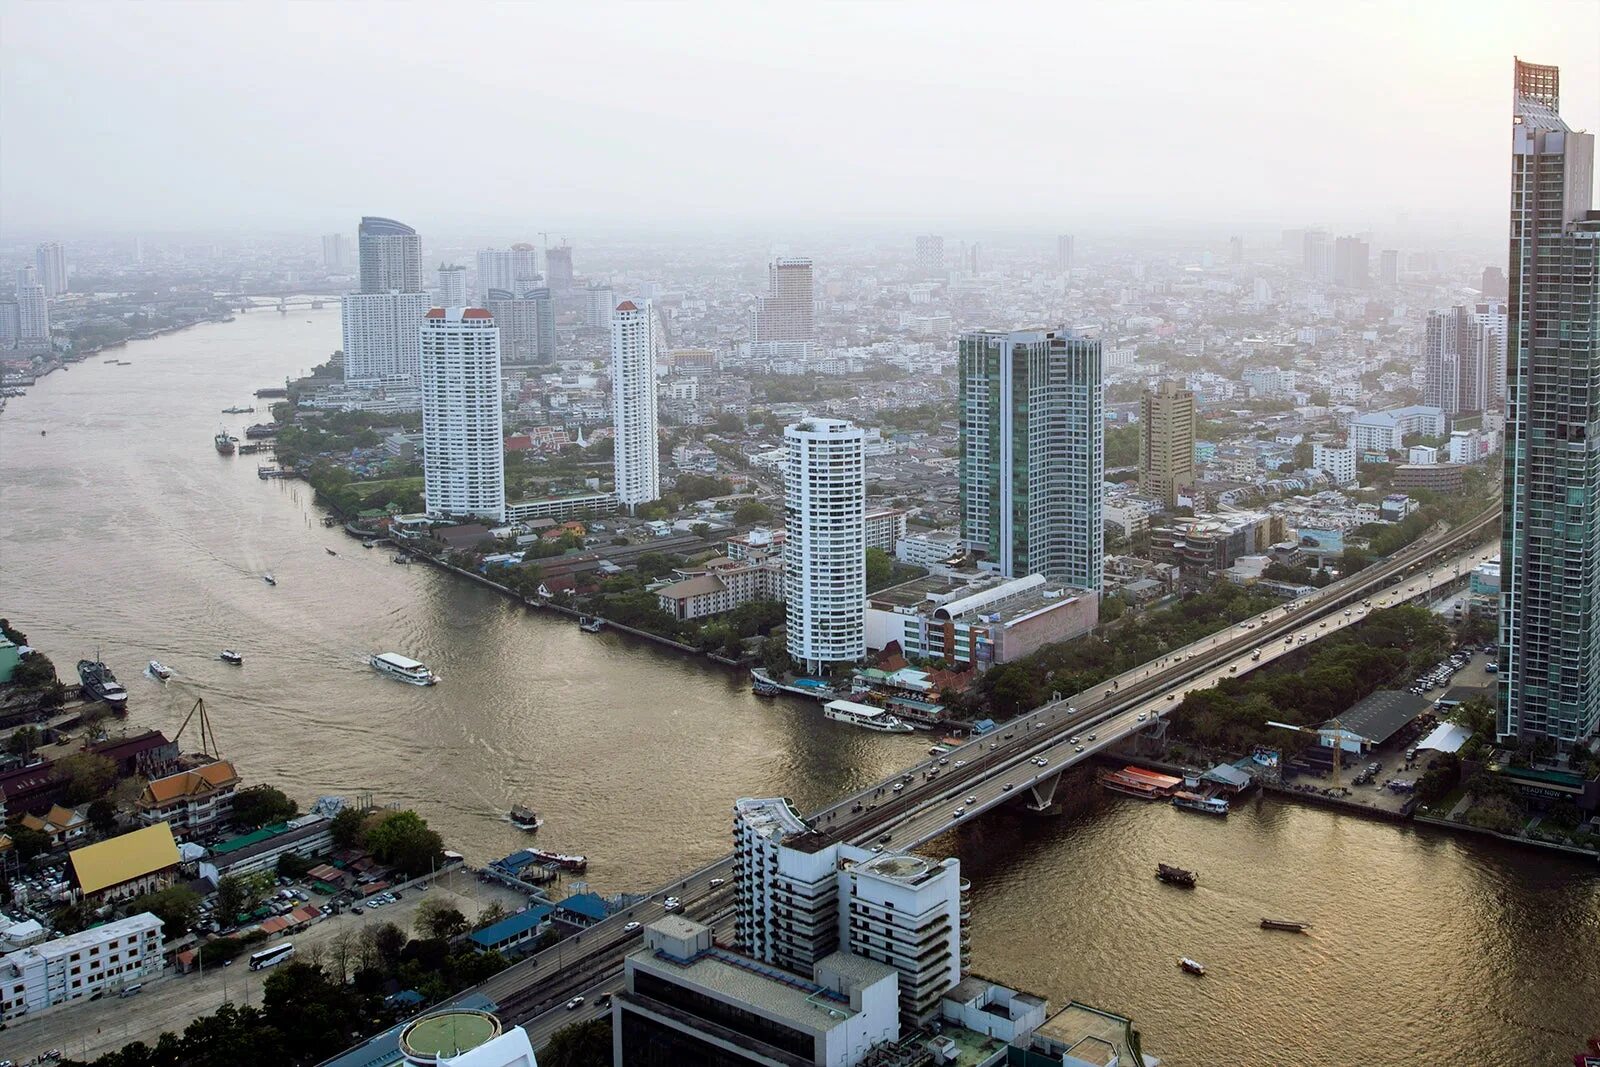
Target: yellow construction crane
1334,729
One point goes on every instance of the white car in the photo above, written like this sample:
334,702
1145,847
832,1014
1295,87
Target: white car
961,763
1141,716
1006,788
958,813
1078,749
575,1003
972,800
716,882
631,927
672,904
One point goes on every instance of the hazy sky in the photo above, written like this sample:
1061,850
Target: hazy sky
529,116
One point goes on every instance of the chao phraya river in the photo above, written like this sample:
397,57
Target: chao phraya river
123,530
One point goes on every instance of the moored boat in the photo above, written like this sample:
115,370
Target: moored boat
157,670
1196,802
1194,967
1176,876
98,683
865,716
590,624
1292,925
525,818
269,579
228,655
406,670
560,859
225,444
763,687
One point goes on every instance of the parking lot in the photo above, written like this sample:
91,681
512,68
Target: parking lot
171,1001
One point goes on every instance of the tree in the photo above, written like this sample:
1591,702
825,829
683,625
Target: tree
29,843
585,1044
102,816
23,742
436,919
880,569
402,840
313,1015
176,906
239,894
261,805
490,915
346,828
700,529
88,776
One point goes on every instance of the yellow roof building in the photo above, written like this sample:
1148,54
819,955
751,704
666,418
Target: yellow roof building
122,859
191,784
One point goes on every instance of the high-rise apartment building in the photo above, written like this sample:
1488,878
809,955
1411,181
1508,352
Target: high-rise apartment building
559,262
391,256
335,253
1389,266
602,298
1033,452
1317,255
518,320
1166,458
787,313
10,323
1461,351
463,466
1493,285
825,551
1064,252
1350,260
800,896
452,287
382,322
1236,250
382,335
51,262
33,309
636,458
930,255
513,270
544,306
1491,320
1550,551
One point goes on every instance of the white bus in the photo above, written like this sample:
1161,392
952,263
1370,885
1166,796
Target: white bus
271,956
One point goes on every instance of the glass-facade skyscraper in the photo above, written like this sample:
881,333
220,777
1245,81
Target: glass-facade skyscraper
1550,551
1033,452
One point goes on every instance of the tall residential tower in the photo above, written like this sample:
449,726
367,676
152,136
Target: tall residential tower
1032,452
786,314
1166,458
382,322
1550,549
636,460
825,552
463,467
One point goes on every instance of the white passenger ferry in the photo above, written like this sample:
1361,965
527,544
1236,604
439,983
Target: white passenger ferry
407,670
865,716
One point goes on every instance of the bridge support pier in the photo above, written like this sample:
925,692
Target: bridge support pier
1041,796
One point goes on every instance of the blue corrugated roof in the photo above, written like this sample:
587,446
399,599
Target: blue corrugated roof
512,925
589,905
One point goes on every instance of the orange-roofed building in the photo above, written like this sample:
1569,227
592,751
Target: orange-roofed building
194,802
62,825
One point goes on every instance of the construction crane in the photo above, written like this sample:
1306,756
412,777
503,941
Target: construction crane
208,736
1334,729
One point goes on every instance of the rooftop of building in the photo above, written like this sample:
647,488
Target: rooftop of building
770,991
1087,1031
95,935
769,817
904,867
196,782
511,926
448,1033
122,859
1380,716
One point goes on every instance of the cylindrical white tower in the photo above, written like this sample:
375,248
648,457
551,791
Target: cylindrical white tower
825,562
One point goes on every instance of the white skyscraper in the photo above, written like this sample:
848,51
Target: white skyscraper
825,562
382,321
52,265
637,455
452,286
335,252
514,269
602,298
463,468
381,338
33,309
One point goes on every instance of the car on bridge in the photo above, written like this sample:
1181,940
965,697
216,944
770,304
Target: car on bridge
958,813
672,904
575,1003
631,927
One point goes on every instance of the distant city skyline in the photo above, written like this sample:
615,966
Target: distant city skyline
1222,95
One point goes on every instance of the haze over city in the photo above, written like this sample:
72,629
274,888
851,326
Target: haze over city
650,117
872,534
